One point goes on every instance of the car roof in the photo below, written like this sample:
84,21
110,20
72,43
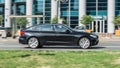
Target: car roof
45,24
49,24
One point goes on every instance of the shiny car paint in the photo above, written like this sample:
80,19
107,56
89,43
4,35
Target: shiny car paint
57,37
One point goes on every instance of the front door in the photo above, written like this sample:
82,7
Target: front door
63,34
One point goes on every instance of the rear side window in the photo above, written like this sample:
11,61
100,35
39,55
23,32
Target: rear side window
41,28
46,28
34,28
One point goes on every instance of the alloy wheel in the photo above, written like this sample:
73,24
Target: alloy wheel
33,42
84,43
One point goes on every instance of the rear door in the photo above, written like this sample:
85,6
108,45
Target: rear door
47,34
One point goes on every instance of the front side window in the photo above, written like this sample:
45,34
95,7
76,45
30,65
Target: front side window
60,28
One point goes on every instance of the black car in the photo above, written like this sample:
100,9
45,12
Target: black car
39,35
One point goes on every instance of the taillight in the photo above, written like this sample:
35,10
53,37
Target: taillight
22,32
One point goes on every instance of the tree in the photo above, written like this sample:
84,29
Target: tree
116,21
86,20
55,20
22,22
1,18
63,21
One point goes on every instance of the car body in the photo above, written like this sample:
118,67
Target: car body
80,28
39,35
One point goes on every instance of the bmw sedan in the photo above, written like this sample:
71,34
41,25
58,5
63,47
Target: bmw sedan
44,34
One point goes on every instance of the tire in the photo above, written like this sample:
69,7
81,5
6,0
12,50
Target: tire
33,43
84,43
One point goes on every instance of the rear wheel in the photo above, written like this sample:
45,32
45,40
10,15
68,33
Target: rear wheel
34,43
84,43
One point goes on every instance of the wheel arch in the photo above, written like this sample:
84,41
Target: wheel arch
39,43
83,37
32,37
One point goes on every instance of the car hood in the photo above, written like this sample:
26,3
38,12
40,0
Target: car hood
84,34
78,32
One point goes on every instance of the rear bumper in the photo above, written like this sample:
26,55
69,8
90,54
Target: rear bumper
22,40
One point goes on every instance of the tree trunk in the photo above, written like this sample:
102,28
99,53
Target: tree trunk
118,27
13,30
20,27
87,27
1,24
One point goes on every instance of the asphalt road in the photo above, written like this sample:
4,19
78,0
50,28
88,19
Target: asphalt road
4,45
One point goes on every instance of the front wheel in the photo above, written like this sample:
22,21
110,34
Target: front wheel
84,43
33,43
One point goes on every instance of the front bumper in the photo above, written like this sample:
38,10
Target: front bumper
94,41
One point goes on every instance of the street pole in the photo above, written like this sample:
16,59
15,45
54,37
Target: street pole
68,17
14,23
58,15
58,11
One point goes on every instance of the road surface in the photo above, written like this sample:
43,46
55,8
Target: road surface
14,45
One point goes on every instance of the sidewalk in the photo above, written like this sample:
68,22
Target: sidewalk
8,39
109,39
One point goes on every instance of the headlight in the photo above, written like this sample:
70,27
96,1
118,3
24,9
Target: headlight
94,36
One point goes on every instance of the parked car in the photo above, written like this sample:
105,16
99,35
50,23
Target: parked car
80,28
6,30
45,34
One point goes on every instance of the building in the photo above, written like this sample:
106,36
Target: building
103,12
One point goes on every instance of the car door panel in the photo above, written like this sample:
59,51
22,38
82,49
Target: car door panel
62,36
47,36
46,33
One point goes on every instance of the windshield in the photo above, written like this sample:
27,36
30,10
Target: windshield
68,27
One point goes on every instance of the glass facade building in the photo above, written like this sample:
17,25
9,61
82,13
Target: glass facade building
97,7
117,7
71,10
2,1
